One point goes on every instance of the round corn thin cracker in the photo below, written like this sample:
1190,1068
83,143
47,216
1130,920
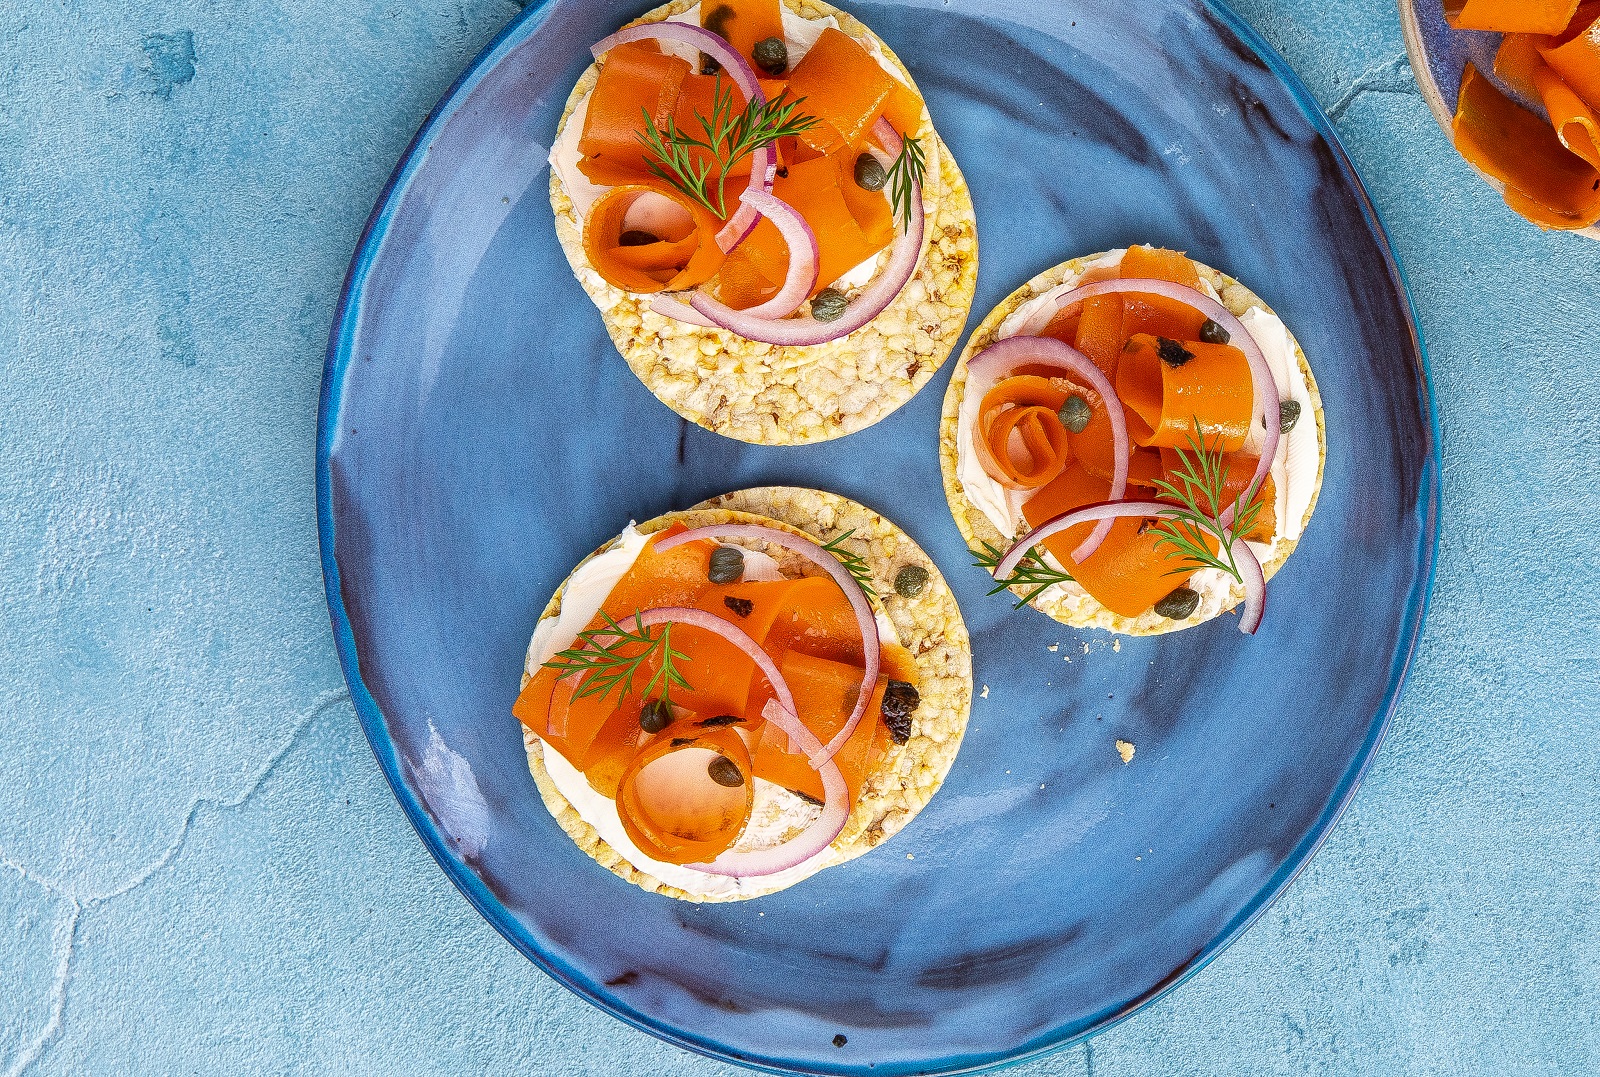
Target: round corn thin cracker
772,395
1070,603
929,625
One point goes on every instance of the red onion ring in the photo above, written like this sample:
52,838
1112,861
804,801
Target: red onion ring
1264,384
999,360
763,170
672,307
1255,582
801,278
729,631
805,331
870,647
696,37
1255,585
814,838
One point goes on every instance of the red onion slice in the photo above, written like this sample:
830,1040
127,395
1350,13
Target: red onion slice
870,648
1264,384
1255,583
814,838
729,631
763,169
1004,357
696,37
671,307
801,278
805,331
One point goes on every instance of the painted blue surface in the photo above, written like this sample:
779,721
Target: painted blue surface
205,871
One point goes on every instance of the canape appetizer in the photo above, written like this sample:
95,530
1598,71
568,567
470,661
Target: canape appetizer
1133,441
721,702
753,194
1534,131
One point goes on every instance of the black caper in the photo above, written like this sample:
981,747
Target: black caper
771,55
900,701
828,305
741,606
725,771
1075,413
1172,353
721,719
870,173
709,65
635,237
655,716
727,565
1288,415
910,581
1212,333
1179,604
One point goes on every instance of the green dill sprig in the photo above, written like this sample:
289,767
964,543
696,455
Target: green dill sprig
606,658
1032,571
728,134
1199,492
908,169
853,563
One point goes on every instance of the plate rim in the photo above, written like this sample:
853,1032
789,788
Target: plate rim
1422,73
477,892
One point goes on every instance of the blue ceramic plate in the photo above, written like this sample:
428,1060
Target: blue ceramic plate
479,435
1440,54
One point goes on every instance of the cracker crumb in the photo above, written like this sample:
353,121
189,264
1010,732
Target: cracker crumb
1085,648
911,856
1053,648
1116,645
1126,750
985,693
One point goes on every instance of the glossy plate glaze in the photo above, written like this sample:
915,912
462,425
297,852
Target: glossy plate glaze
1439,55
479,435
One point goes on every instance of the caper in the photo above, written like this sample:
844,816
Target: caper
635,237
1075,413
910,581
1172,353
1212,333
900,700
771,55
726,772
1179,604
828,305
870,173
1288,415
709,65
742,607
727,565
656,716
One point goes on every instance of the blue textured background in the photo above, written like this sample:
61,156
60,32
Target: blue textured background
200,866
